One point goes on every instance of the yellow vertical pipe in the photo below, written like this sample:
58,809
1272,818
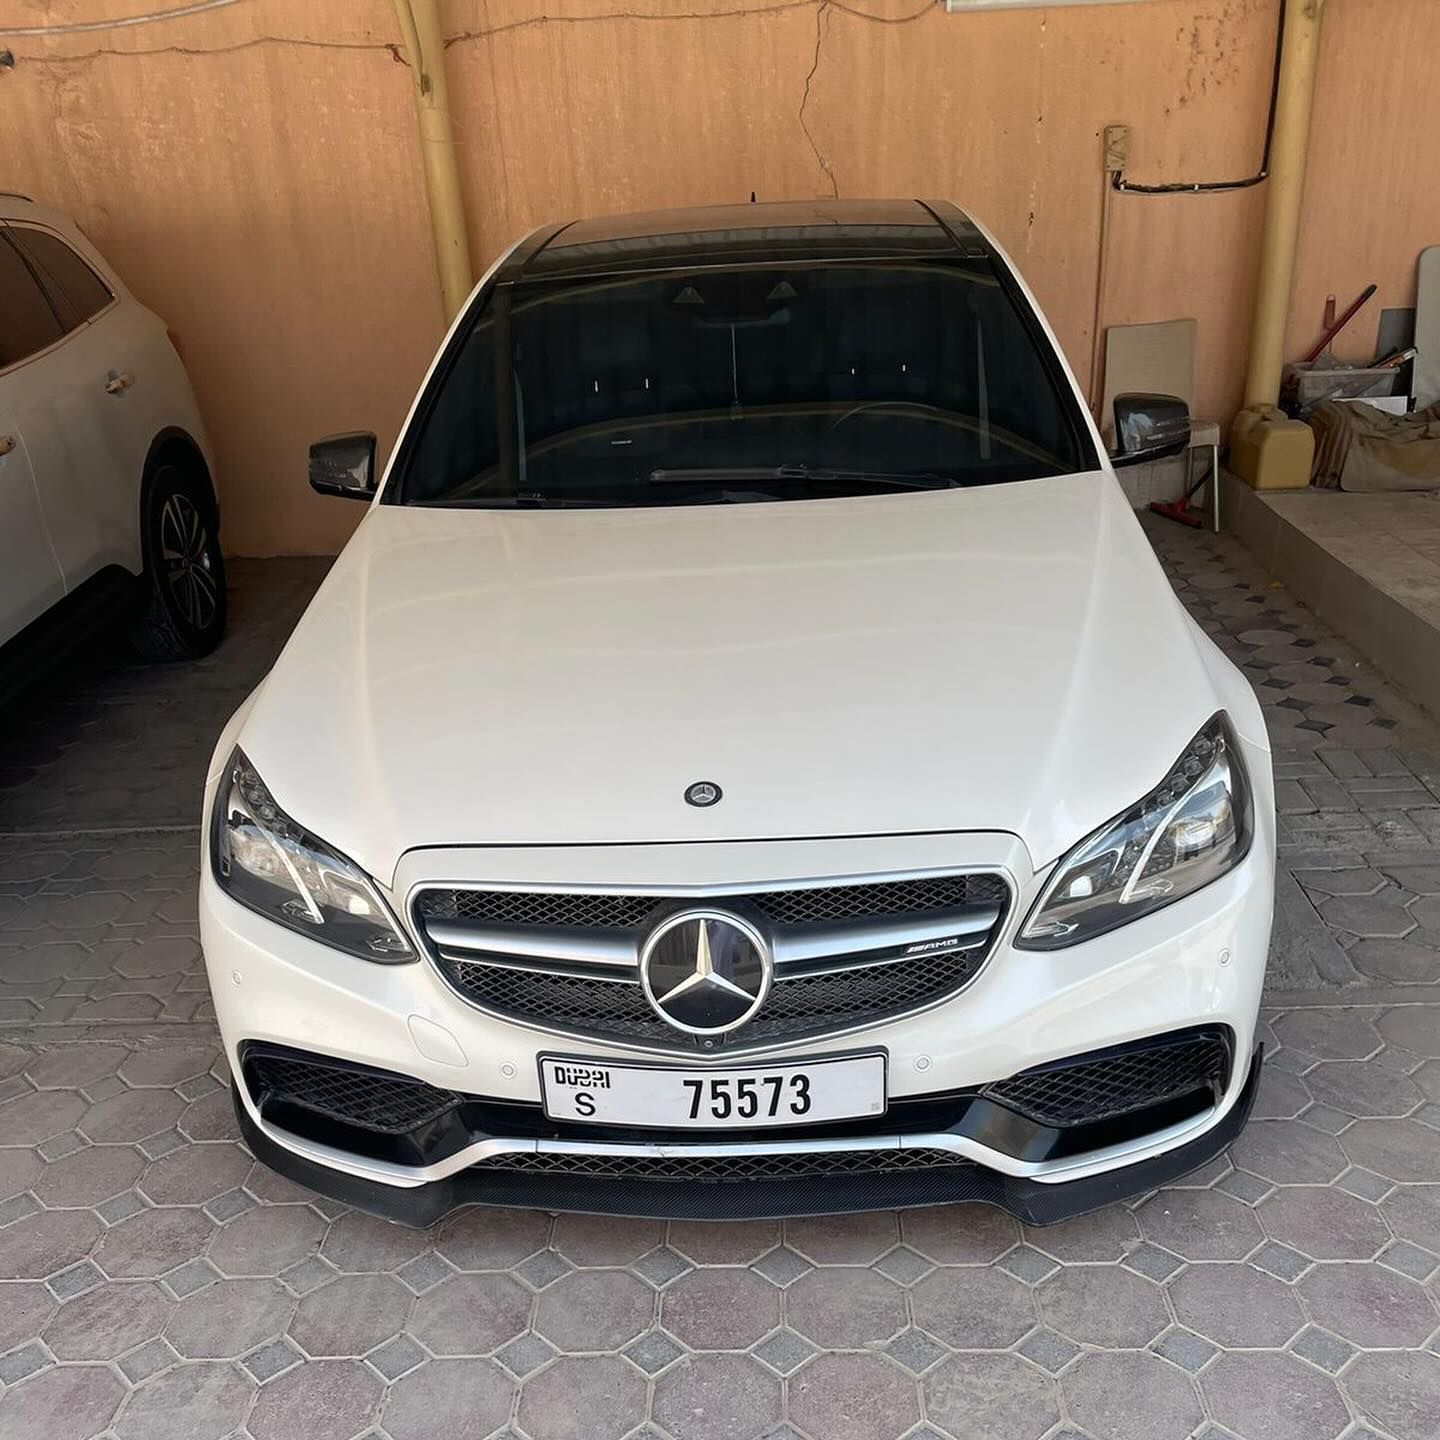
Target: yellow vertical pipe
1294,99
425,49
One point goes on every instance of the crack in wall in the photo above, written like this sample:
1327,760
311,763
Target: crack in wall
1036,168
822,26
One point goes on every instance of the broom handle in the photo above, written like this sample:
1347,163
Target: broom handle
1340,324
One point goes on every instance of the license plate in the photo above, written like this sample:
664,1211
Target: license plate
747,1097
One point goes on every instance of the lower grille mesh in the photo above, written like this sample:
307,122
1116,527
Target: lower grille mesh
803,1005
1100,1089
723,1168
388,1104
609,1007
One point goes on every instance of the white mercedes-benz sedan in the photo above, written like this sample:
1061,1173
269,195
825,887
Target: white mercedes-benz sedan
748,760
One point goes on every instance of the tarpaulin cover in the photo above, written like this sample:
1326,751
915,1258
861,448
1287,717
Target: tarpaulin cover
1358,447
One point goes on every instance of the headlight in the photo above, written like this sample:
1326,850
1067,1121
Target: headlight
1192,828
266,861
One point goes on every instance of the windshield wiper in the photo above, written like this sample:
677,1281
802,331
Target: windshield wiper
719,474
527,500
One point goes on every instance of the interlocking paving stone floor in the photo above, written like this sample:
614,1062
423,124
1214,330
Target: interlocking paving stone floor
155,1282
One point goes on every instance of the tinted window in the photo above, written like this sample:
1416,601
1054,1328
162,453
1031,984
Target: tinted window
457,441
761,383
27,319
77,291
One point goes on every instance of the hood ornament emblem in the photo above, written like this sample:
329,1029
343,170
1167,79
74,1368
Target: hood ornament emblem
703,794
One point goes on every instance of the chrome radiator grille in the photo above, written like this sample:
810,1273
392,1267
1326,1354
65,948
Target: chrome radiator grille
845,955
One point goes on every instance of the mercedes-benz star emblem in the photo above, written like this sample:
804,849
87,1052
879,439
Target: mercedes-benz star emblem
705,972
703,793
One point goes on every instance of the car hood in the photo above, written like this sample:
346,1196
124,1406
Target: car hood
1008,658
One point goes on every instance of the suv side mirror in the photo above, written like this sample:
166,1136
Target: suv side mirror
344,465
1149,427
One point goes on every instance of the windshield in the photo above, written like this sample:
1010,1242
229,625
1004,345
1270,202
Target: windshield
762,383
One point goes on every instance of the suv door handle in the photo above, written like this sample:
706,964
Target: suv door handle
7,444
114,383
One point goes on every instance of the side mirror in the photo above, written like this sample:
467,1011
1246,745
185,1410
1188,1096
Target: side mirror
344,465
1149,427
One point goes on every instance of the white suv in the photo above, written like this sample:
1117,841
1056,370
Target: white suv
105,489
748,760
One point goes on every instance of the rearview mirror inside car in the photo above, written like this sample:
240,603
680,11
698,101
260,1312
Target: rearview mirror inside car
1149,427
344,465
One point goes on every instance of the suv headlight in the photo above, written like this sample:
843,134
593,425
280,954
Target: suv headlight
1189,830
267,862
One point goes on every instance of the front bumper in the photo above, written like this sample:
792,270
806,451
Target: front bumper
1197,963
812,1189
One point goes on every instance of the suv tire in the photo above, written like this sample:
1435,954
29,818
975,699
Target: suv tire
184,580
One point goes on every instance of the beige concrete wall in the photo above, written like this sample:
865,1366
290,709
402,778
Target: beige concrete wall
1372,193
253,170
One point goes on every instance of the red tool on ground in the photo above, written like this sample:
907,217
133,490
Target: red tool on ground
1180,509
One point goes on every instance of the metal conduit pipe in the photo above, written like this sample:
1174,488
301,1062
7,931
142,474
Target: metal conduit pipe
425,49
1267,450
1293,103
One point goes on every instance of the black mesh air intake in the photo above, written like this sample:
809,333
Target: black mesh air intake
1099,1088
373,1100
